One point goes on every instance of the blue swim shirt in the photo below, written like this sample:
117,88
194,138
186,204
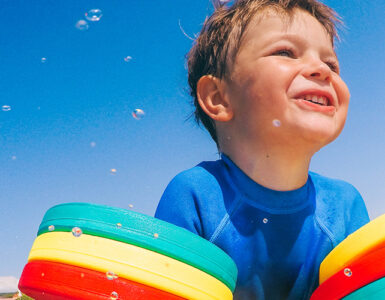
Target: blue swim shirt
277,239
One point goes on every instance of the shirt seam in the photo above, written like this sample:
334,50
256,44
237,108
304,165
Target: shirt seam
225,220
325,230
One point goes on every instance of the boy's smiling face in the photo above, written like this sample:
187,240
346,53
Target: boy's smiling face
285,82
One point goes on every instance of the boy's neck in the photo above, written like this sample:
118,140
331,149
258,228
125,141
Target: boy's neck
273,169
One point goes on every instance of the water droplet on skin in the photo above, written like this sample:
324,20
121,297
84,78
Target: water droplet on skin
76,232
94,15
127,58
276,123
119,225
51,228
348,272
138,114
6,108
111,275
82,25
156,235
114,296
265,220
113,171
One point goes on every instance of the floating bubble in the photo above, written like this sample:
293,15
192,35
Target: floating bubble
348,272
6,108
92,144
82,275
94,15
130,205
114,296
156,235
76,232
127,58
276,123
43,59
138,114
119,225
265,220
81,25
111,275
51,228
113,171
13,157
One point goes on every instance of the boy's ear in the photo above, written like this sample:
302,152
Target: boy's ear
213,100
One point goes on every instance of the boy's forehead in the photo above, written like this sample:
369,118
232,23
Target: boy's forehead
275,23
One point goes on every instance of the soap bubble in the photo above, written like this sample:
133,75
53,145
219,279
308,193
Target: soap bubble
51,227
43,60
131,205
113,171
127,58
119,225
92,144
6,108
94,15
13,157
76,232
111,275
81,25
156,235
114,296
138,114
276,123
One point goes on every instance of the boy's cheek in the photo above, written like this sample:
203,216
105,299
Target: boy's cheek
342,92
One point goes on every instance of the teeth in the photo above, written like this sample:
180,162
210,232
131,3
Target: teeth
316,99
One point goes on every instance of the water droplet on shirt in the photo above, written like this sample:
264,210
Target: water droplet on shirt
276,123
81,25
138,114
114,296
265,220
5,108
51,228
111,275
94,15
76,232
348,272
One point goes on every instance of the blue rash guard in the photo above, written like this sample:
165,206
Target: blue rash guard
277,239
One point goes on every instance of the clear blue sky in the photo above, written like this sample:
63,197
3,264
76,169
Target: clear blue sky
85,92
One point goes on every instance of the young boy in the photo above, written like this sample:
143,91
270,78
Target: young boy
265,81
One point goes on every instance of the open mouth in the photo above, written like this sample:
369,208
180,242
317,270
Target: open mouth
316,99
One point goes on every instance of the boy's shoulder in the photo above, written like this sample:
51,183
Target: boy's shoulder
340,209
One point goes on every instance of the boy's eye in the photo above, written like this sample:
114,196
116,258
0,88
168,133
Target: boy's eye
284,52
333,66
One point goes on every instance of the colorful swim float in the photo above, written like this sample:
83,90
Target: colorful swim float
122,255
355,269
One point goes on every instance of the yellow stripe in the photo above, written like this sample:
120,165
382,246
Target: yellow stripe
130,262
356,245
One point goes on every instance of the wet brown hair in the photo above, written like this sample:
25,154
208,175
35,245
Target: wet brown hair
220,39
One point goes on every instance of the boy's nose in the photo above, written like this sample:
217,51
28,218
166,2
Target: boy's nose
317,69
